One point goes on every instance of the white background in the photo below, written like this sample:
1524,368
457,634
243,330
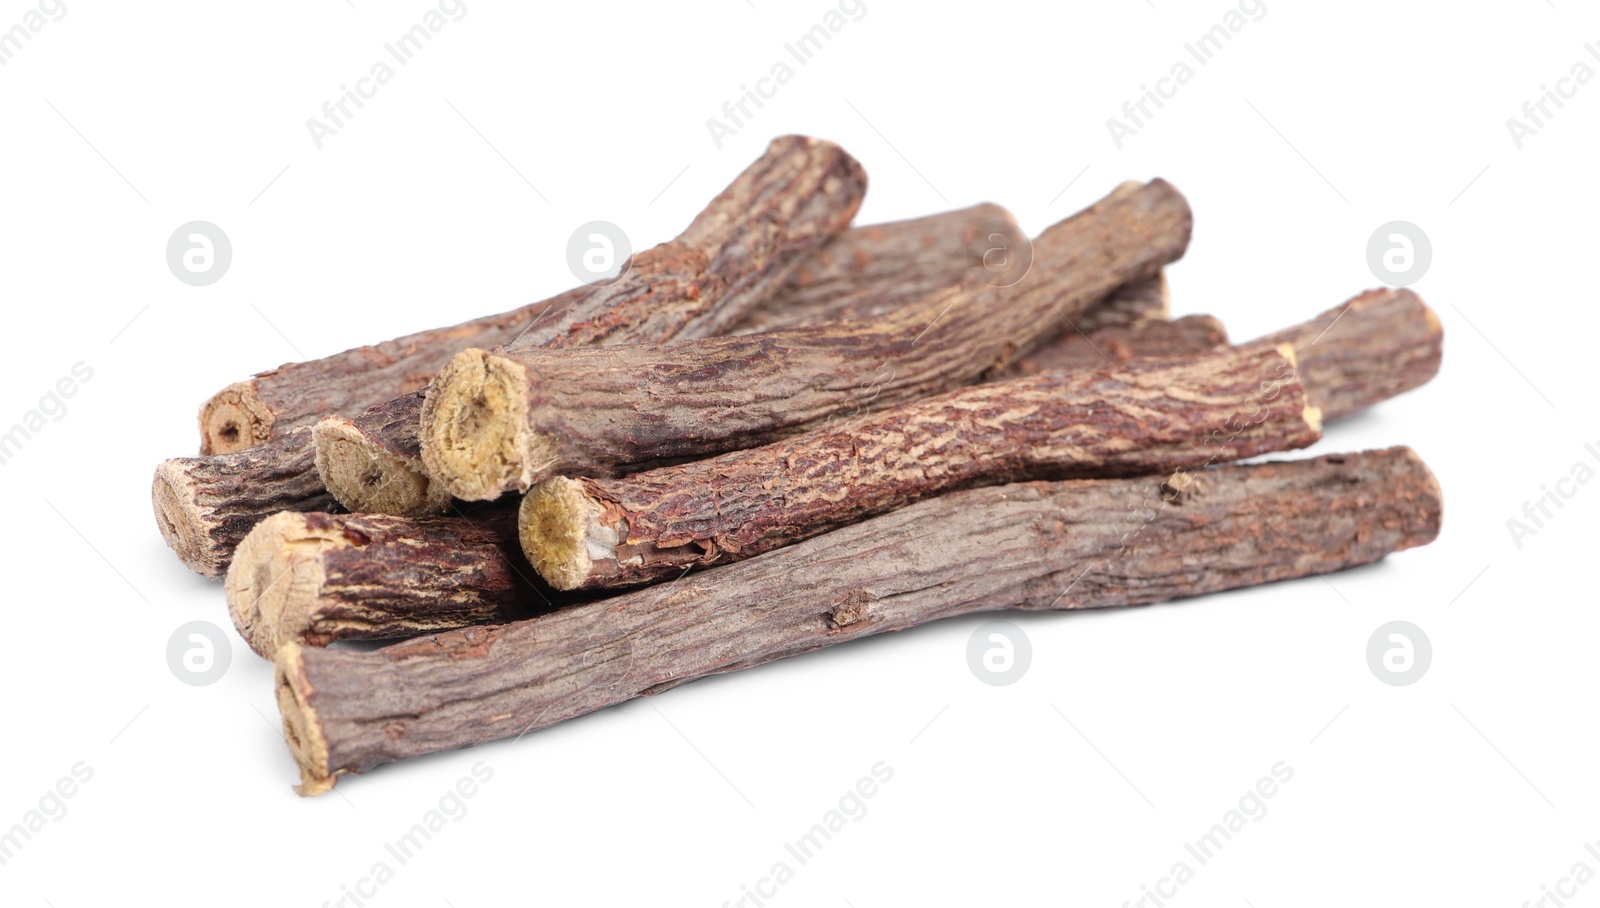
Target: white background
452,194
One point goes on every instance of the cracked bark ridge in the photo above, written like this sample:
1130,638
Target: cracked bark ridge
786,204
373,464
204,506
315,578
1118,345
1145,300
874,270
1077,544
1377,345
812,186
494,422
439,571
1152,417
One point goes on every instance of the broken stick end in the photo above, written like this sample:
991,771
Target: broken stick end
563,533
273,582
182,521
368,480
234,419
476,442
302,727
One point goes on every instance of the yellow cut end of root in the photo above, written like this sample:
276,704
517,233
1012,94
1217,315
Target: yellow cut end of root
233,419
1313,418
368,480
182,521
273,584
476,442
561,532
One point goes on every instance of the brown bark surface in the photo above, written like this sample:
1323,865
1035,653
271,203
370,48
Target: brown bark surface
869,271
373,463
1070,545
279,586
315,578
1153,417
205,505
788,203
1118,419
1117,345
384,456
1378,345
493,422
1144,300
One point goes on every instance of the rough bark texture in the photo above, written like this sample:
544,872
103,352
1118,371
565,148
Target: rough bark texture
206,505
1374,347
496,422
316,578
444,584
1145,300
1153,417
598,533
739,248
373,463
788,203
869,271
1071,545
1116,345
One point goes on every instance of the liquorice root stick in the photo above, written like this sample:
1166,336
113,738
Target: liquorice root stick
1116,345
868,271
205,505
1070,545
316,578
588,533
1153,417
493,422
785,205
742,246
372,463
1378,345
